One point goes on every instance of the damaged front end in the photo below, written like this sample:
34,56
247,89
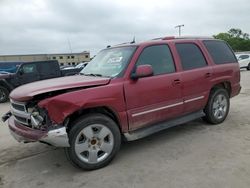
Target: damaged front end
30,123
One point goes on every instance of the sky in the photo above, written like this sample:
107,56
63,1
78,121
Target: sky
62,26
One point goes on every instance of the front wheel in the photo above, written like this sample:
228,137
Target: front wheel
217,107
94,141
4,94
248,67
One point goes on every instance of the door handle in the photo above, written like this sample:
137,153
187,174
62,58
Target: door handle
208,75
176,82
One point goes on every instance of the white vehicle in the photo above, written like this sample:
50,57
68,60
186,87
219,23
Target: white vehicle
244,60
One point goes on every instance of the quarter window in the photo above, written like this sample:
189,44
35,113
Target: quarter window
191,56
220,52
159,57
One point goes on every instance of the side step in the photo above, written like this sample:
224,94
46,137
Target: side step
143,132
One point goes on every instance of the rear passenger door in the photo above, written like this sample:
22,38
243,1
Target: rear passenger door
196,76
155,98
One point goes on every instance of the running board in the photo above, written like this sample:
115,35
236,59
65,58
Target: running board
143,132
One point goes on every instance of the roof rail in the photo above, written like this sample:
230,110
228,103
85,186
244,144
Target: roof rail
194,37
182,37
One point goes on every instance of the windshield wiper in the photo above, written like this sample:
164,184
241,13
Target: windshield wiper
91,74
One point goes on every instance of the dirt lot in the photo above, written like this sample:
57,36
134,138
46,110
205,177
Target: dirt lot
193,155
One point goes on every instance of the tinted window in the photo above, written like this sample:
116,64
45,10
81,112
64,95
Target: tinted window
241,57
29,68
220,52
191,56
48,68
159,57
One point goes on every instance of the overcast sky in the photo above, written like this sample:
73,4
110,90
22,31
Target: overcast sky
47,26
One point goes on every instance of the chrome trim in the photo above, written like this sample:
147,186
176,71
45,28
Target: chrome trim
21,114
194,99
168,106
157,109
57,137
19,103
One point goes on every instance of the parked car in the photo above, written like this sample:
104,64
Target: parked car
31,72
127,92
244,60
80,66
10,67
4,72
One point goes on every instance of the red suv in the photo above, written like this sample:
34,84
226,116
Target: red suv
127,92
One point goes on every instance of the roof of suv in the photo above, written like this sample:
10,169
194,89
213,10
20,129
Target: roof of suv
167,38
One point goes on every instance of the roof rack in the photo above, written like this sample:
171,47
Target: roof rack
182,37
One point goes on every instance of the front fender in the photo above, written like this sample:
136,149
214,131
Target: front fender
61,106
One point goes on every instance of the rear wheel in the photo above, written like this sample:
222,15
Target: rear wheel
94,141
217,107
4,94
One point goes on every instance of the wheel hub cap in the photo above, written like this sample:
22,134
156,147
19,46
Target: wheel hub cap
220,106
94,143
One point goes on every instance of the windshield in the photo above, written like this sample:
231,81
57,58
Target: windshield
109,62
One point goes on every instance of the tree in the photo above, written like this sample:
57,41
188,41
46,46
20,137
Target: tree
237,39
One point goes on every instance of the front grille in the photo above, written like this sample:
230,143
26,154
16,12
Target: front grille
18,109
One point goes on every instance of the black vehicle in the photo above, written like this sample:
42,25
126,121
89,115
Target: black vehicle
30,72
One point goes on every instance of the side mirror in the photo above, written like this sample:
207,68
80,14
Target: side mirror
142,71
20,71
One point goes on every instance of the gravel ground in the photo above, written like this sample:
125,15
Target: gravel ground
193,155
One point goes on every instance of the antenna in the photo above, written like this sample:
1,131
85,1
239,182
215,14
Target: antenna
69,45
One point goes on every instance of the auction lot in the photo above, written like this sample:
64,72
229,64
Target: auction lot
192,155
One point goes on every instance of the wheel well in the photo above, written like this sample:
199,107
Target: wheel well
3,84
224,85
103,110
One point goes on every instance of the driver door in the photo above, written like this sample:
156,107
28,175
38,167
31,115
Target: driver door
28,73
155,98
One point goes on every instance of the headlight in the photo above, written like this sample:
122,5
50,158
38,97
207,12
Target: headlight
36,119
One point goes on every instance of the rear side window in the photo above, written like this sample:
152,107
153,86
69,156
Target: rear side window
48,68
220,52
191,56
159,57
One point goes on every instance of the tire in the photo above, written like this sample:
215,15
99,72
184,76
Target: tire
248,67
217,107
94,139
4,94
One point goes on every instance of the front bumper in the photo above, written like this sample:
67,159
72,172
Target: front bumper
57,137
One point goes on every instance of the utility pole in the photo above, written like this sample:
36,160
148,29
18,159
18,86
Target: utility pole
69,45
179,26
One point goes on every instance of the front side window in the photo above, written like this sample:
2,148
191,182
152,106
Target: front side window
159,57
220,52
109,62
29,68
191,56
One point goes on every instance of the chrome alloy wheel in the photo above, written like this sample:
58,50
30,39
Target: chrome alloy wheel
220,106
94,143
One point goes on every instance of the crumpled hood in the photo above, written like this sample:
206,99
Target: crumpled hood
28,91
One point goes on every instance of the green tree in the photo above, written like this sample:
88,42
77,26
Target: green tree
237,39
